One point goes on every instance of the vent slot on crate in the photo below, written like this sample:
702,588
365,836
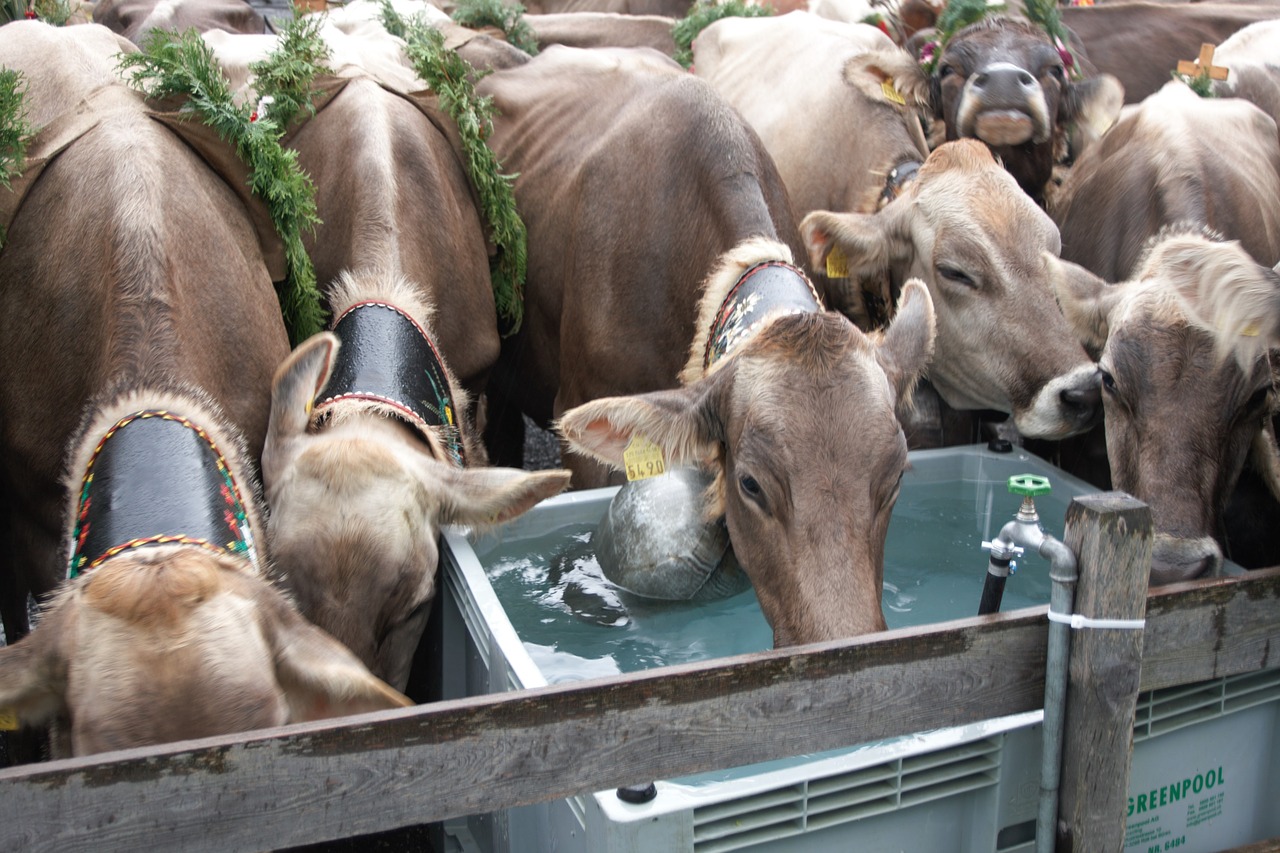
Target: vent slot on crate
828,801
1162,711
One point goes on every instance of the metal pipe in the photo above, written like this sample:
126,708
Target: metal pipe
1024,532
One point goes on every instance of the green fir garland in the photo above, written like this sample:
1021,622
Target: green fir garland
172,64
703,14
287,74
1045,14
56,12
1201,84
494,13
15,130
450,76
957,15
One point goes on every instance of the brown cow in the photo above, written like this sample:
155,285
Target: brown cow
1003,81
168,629
359,495
792,409
663,8
134,19
1174,158
1252,57
603,29
615,262
167,290
1186,403
1140,44
967,230
782,72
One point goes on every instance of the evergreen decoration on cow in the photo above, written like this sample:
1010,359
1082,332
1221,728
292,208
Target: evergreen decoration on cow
702,15
494,13
287,74
55,12
174,65
15,130
450,78
1045,14
957,15
1201,84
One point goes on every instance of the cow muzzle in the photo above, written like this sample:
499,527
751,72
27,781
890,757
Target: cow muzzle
1065,406
1003,104
1175,558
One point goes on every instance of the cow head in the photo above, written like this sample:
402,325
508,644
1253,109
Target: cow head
1188,400
1004,82
167,637
976,240
798,425
357,502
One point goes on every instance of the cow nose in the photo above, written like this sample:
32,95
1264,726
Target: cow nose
1004,79
1083,403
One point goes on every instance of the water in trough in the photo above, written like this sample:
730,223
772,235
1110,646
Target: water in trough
575,624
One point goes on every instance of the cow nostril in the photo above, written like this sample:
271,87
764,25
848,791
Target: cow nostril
1085,400
1026,79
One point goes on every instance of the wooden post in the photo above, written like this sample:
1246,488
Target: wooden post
1111,535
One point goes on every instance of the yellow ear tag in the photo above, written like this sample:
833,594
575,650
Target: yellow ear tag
8,720
837,264
1251,330
643,459
890,93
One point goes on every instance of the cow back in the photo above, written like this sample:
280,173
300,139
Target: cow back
129,261
1175,159
634,177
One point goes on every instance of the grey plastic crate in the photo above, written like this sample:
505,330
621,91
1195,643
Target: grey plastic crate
1204,765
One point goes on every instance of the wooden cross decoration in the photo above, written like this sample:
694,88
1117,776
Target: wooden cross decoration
1203,64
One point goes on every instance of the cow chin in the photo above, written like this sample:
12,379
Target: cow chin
1175,558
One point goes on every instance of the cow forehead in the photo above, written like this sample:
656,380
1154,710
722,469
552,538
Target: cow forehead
987,208
792,413
999,40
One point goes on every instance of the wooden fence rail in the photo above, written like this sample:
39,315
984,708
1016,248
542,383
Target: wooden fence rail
307,783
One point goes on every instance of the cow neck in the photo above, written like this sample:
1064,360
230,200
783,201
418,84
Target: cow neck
762,292
387,358
897,179
157,478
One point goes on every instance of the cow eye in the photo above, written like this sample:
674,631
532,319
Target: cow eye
751,487
957,276
945,71
1108,381
1058,72
1257,401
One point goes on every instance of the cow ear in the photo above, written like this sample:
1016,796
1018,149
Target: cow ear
33,674
1086,300
870,72
907,346
320,677
868,242
478,497
1092,105
683,422
293,392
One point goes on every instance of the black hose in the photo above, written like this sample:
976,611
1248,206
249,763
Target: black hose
993,589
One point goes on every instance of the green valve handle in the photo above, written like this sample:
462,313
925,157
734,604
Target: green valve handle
1029,485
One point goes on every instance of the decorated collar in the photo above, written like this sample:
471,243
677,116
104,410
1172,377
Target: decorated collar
156,478
762,292
386,357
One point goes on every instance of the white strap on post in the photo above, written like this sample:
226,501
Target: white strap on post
1075,620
